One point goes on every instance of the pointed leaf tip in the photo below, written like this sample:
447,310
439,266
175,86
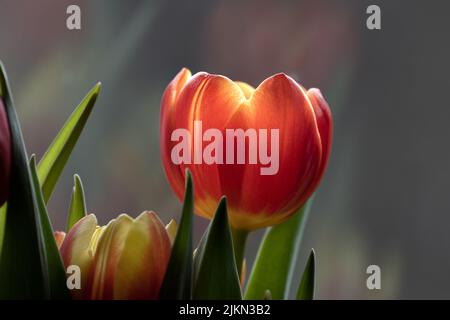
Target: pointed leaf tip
177,282
216,275
55,158
22,240
96,89
306,287
222,207
77,207
55,274
3,81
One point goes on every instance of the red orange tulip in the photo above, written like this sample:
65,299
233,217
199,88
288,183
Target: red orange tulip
126,259
5,154
286,131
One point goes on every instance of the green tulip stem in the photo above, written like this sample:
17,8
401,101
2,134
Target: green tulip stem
239,240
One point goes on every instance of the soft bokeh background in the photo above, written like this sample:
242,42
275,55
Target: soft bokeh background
384,199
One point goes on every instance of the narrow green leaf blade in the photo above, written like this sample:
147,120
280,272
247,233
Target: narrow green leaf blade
56,271
306,287
177,283
23,265
199,252
54,160
2,225
276,258
217,276
77,208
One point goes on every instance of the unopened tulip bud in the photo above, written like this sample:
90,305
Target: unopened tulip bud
126,259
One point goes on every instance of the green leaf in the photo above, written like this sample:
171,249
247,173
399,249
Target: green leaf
2,225
56,270
54,160
77,208
200,248
177,282
217,276
276,258
306,287
23,263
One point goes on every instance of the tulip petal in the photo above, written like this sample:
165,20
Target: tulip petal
213,100
75,247
59,238
75,250
107,254
246,88
324,123
170,96
262,200
143,262
171,229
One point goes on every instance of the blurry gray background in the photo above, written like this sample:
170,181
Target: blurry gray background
385,197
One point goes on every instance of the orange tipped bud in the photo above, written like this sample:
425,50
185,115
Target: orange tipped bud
126,259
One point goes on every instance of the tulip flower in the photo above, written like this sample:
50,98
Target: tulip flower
126,259
5,154
285,131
